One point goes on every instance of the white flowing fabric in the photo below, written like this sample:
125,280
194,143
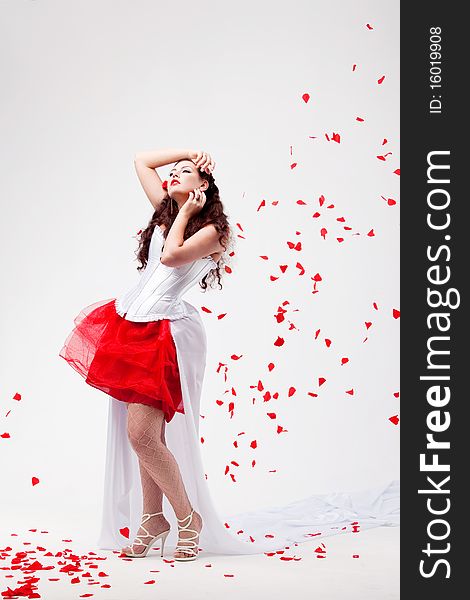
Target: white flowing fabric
315,516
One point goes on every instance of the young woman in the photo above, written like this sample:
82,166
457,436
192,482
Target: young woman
146,349
125,346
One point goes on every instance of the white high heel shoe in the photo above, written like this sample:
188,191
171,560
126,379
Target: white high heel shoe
138,541
191,549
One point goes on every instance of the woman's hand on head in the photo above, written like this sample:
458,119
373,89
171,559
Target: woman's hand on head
202,160
194,203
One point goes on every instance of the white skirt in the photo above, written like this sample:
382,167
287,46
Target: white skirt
296,522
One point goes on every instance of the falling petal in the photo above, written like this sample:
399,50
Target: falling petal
293,246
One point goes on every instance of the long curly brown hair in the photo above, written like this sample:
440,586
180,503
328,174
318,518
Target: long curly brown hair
211,212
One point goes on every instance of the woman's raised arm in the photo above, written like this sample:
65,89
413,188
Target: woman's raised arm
145,164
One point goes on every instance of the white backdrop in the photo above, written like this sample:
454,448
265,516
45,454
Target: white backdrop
87,85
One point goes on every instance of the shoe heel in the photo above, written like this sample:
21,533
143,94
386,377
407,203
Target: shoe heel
163,540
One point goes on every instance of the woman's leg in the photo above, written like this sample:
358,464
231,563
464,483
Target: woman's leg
146,435
152,502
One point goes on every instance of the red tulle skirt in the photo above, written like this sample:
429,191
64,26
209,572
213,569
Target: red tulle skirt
130,361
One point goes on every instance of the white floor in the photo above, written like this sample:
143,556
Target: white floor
373,575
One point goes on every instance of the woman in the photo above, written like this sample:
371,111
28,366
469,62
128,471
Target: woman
125,347
147,350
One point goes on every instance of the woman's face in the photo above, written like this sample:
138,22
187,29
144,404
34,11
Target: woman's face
188,178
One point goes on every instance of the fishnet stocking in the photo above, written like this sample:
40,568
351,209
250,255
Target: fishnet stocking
159,472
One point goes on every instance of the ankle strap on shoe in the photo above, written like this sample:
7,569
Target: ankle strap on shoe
184,518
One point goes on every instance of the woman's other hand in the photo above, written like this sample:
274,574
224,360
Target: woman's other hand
194,203
202,160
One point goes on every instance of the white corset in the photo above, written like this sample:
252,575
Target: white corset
159,290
